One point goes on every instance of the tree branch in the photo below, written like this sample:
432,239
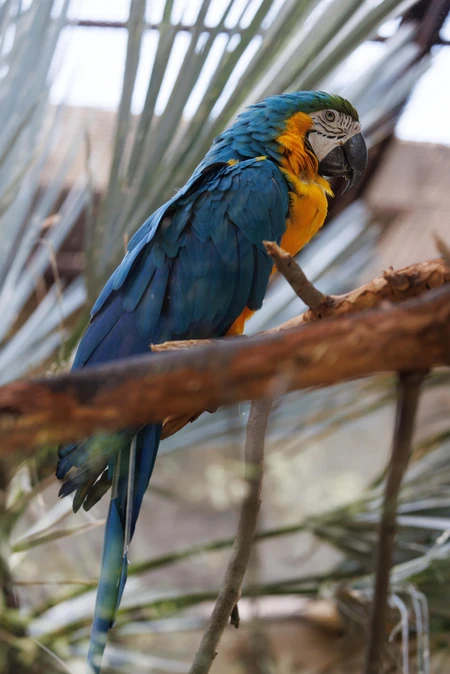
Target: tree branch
240,555
409,385
291,271
391,286
409,336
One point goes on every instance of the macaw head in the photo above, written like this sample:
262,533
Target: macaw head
335,136
299,130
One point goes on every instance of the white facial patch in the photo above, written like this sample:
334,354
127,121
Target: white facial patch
330,129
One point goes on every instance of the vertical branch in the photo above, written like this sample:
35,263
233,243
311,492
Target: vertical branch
240,555
409,385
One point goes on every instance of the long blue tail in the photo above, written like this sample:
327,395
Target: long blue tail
113,574
102,464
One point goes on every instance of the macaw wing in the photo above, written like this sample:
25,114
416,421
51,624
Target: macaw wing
194,266
190,271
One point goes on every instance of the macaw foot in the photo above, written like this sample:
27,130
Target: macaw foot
173,424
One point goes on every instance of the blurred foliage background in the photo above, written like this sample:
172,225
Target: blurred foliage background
74,186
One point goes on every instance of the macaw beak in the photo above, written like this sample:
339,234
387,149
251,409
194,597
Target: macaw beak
346,161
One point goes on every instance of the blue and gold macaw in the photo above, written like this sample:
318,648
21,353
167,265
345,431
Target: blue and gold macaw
197,269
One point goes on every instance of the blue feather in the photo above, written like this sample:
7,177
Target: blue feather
125,267
157,253
105,293
100,326
180,310
114,565
263,267
197,252
138,284
224,239
149,308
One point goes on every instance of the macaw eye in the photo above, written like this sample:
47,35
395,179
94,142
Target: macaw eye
330,116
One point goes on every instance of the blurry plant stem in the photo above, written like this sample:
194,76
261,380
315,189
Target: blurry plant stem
140,568
76,334
409,385
443,247
255,654
8,600
231,587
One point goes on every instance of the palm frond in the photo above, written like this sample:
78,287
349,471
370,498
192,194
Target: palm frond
29,133
279,47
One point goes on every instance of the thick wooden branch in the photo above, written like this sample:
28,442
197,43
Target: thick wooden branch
409,336
392,286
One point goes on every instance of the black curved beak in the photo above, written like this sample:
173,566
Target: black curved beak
346,161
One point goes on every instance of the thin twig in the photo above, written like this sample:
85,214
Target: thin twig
87,583
59,292
291,271
409,385
443,248
235,618
240,555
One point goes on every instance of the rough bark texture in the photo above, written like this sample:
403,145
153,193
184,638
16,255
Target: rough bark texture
392,286
413,335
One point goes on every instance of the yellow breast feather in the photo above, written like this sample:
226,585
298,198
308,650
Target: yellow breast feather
307,211
308,203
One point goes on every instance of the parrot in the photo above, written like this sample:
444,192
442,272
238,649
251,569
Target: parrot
197,269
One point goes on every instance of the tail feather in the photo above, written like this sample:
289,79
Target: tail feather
90,461
107,593
114,567
99,489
